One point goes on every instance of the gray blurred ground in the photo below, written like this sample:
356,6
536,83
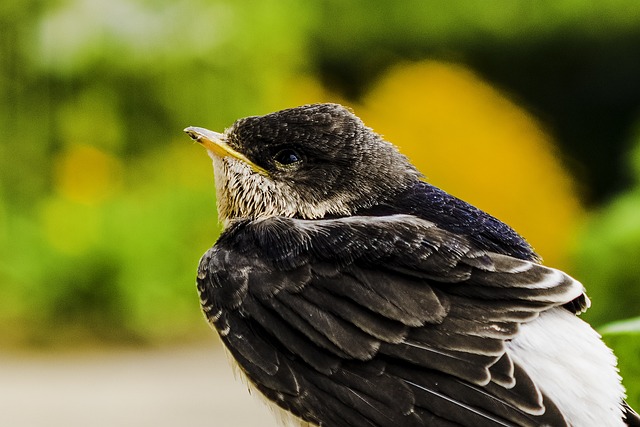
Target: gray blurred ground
161,388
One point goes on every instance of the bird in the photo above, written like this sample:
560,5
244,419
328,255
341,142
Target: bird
351,292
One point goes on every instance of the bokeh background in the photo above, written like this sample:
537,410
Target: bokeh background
529,110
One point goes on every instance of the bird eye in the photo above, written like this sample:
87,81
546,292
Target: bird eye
287,156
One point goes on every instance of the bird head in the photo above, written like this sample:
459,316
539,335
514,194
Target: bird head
307,162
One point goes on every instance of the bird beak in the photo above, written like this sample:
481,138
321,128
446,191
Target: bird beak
214,143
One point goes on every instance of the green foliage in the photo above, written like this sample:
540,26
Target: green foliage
607,263
608,253
123,270
624,338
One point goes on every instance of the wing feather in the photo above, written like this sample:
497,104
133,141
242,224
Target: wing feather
379,327
351,340
304,326
321,360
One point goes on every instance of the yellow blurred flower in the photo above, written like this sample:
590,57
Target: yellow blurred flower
87,175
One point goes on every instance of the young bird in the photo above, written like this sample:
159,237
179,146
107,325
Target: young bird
352,293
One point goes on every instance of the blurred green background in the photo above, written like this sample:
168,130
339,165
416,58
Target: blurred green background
530,110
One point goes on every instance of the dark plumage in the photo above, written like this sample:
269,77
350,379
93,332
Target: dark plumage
351,293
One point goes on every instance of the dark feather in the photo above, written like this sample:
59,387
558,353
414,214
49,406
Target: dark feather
415,299
293,340
379,385
348,338
303,326
468,366
465,399
372,398
502,372
353,289
631,418
266,369
457,340
368,321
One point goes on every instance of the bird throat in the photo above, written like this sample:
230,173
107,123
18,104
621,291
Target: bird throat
241,193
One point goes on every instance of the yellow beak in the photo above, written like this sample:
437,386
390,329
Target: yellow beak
214,142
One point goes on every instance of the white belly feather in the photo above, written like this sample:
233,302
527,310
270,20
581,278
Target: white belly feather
566,358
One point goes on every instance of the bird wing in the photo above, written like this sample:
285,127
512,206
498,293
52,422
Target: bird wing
380,321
